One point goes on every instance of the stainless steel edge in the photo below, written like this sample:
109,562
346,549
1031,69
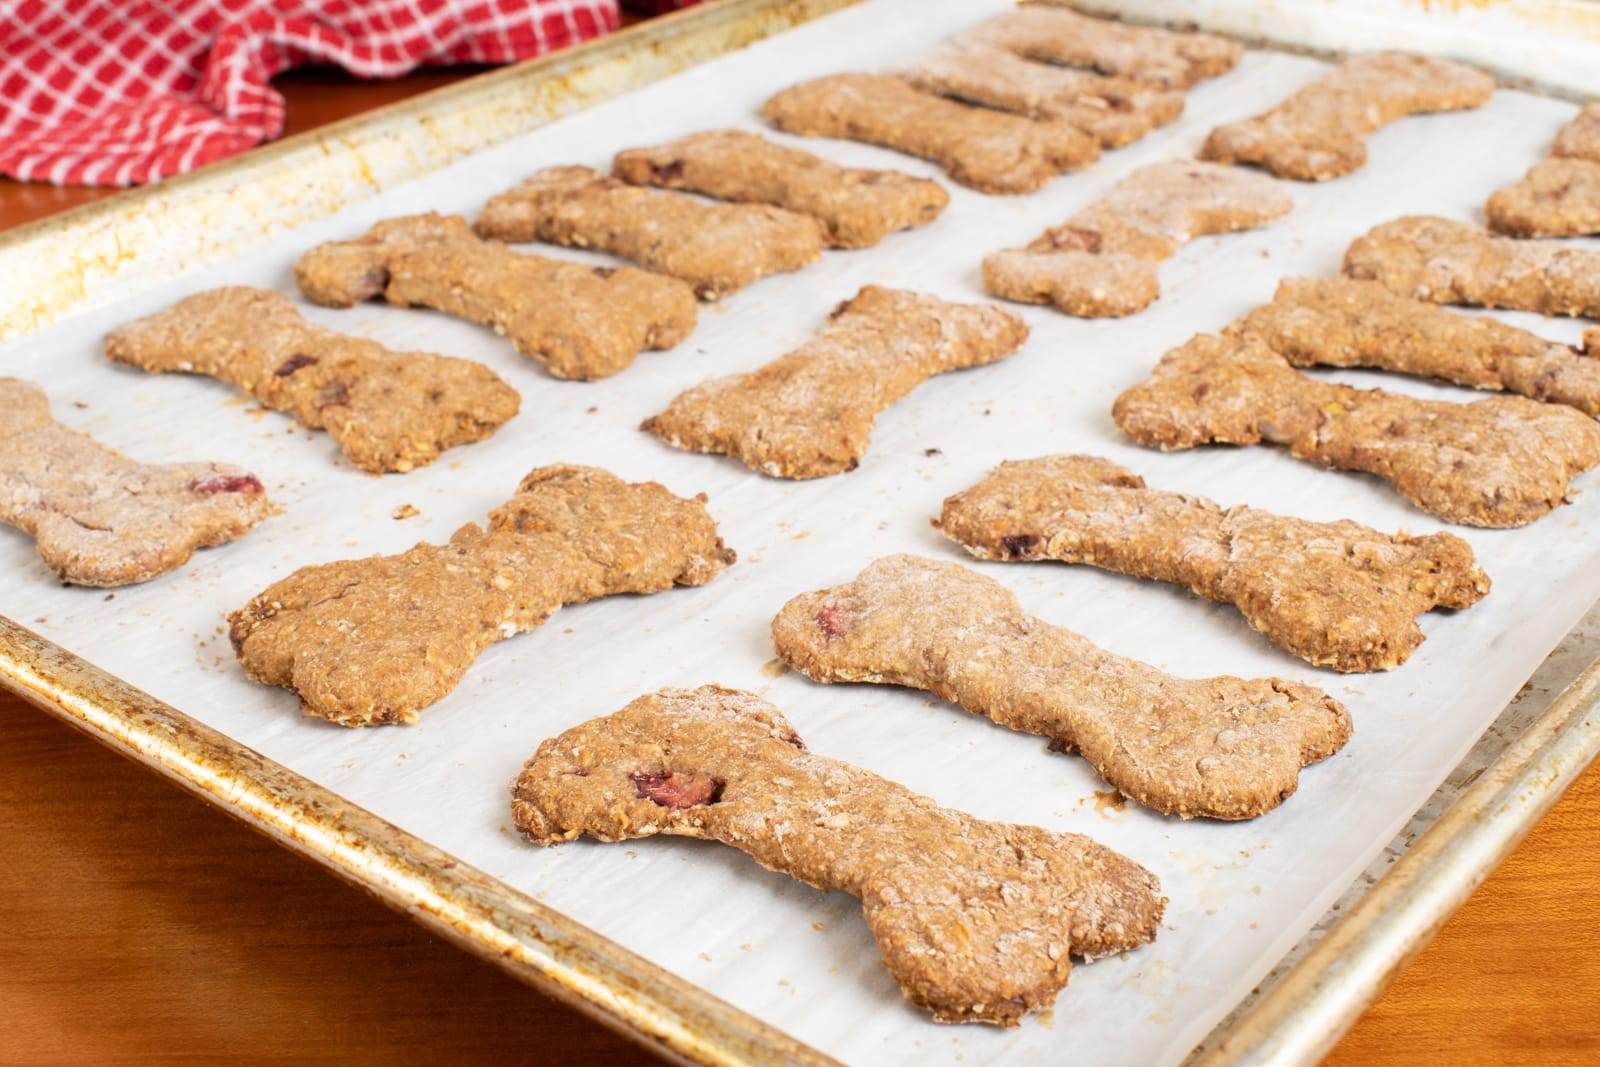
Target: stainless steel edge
1300,1018
71,260
532,942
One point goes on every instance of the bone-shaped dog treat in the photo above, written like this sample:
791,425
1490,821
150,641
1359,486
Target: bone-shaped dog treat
856,208
1102,261
372,641
1500,461
1451,262
1056,34
100,518
1559,196
716,248
1342,322
1319,133
1221,748
577,320
989,150
1115,111
1336,594
810,413
389,411
976,920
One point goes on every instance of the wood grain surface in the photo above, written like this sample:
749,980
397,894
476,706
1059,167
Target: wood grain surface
138,924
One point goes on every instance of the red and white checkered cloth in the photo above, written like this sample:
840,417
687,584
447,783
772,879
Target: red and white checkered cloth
118,92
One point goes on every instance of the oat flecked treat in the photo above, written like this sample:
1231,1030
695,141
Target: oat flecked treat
716,248
1102,261
1114,111
1320,132
1336,594
1221,748
1451,262
1053,33
855,208
577,320
810,413
1557,198
100,518
1500,461
976,920
371,641
389,411
1343,322
989,150
1580,138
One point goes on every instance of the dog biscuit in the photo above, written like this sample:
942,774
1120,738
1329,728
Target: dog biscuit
388,411
1102,261
1558,197
976,920
1580,138
1342,322
810,413
855,208
1500,461
1451,262
1320,132
716,248
1221,748
992,151
99,518
371,641
1336,594
576,320
1115,111
1054,33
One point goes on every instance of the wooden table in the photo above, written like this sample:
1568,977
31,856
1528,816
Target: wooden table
137,923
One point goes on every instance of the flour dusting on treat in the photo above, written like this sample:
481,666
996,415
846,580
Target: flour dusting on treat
576,320
1336,594
856,208
1500,461
1320,132
388,411
1054,33
716,248
100,518
810,413
1221,748
371,641
1102,261
976,920
1450,262
1115,111
992,151
1345,322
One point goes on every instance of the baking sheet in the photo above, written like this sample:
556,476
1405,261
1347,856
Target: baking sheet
1241,894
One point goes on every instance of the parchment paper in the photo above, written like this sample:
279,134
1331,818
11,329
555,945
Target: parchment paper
1241,894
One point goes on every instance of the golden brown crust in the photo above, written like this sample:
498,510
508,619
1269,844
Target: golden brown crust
1101,262
716,248
1221,748
1336,594
1052,32
989,150
372,641
577,320
1500,461
1320,132
810,413
100,518
1343,322
1451,262
976,920
1558,197
856,208
1114,111
1580,138
388,411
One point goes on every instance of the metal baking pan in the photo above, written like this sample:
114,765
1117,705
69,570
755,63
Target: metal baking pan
71,276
